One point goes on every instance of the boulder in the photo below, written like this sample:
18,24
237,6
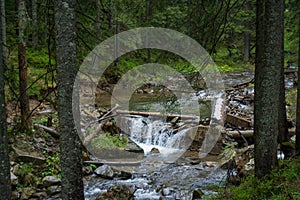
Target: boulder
133,147
154,150
105,171
50,180
54,189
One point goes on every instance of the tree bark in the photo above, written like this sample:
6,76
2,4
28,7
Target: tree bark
269,51
67,67
5,185
298,98
24,99
34,24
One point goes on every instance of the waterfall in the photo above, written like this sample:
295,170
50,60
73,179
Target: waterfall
154,133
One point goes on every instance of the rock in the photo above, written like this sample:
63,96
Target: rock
124,175
210,164
54,189
27,158
15,195
27,193
105,171
154,150
249,165
13,179
40,195
166,191
197,194
148,90
50,180
133,147
174,120
87,170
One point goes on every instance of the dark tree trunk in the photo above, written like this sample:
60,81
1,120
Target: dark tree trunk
269,61
34,23
5,185
67,66
24,99
298,98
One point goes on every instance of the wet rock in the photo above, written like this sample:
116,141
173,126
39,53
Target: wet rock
13,179
133,147
166,191
15,195
27,193
53,190
50,180
87,170
122,175
105,171
197,194
120,192
154,150
210,164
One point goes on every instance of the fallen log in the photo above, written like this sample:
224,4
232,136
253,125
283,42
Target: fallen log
51,131
156,114
250,133
104,162
238,121
241,85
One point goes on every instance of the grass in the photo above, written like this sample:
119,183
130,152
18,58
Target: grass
108,141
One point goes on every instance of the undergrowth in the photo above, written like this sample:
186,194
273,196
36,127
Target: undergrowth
283,183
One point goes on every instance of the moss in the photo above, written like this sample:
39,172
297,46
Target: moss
108,141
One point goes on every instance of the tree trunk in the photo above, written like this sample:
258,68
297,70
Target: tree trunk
246,46
269,51
298,98
67,67
5,185
34,24
24,99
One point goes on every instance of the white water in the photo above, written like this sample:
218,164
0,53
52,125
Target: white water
149,134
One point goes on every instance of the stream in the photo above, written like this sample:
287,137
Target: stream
168,173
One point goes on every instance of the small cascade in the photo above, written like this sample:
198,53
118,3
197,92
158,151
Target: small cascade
149,133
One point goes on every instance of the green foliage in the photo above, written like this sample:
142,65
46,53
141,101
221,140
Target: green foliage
52,166
25,168
283,183
108,141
